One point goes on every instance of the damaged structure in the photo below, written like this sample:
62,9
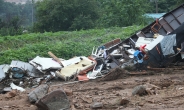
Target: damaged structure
161,41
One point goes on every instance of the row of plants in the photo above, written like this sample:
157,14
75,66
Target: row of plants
62,44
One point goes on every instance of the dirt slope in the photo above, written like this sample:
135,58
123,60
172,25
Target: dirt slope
109,93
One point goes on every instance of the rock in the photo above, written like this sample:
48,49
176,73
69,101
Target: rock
87,106
74,100
87,99
124,83
14,106
181,88
56,100
96,105
76,105
139,90
119,101
114,101
6,106
11,94
38,93
141,103
124,101
73,107
125,92
68,92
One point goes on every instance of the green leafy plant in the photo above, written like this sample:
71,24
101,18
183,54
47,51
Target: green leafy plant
64,44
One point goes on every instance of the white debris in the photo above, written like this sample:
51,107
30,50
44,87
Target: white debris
13,86
131,51
154,43
42,63
71,61
143,41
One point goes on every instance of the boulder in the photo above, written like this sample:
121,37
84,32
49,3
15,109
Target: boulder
96,105
56,100
38,93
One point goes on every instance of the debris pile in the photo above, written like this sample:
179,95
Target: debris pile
158,45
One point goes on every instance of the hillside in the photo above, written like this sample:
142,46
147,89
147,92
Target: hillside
64,44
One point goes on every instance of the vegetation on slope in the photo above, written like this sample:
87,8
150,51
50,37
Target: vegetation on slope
63,44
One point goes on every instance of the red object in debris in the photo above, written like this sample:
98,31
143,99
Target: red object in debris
83,77
142,47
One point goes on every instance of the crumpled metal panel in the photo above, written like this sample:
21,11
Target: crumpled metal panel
43,64
3,70
31,70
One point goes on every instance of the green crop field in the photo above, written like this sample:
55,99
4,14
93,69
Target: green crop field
64,44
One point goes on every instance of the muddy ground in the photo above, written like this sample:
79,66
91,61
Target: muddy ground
169,95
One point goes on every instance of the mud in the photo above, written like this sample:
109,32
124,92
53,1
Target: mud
110,94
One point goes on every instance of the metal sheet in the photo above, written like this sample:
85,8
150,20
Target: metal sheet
31,70
45,63
2,74
178,12
174,24
165,25
142,41
169,18
140,34
162,31
149,35
154,43
181,18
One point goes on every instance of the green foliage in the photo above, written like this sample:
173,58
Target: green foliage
164,6
179,2
10,28
13,17
69,15
57,15
63,44
122,12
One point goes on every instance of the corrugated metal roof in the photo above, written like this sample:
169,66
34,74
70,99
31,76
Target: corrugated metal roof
154,15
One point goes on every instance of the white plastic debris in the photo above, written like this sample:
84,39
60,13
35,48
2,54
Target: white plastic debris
3,71
45,63
143,41
126,46
154,43
114,52
13,86
71,61
131,56
131,51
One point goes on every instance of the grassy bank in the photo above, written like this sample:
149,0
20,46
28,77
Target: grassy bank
63,44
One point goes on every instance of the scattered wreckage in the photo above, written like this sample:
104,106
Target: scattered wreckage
156,46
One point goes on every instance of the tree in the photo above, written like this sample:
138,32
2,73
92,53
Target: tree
10,23
164,6
57,15
122,12
1,4
179,2
13,17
